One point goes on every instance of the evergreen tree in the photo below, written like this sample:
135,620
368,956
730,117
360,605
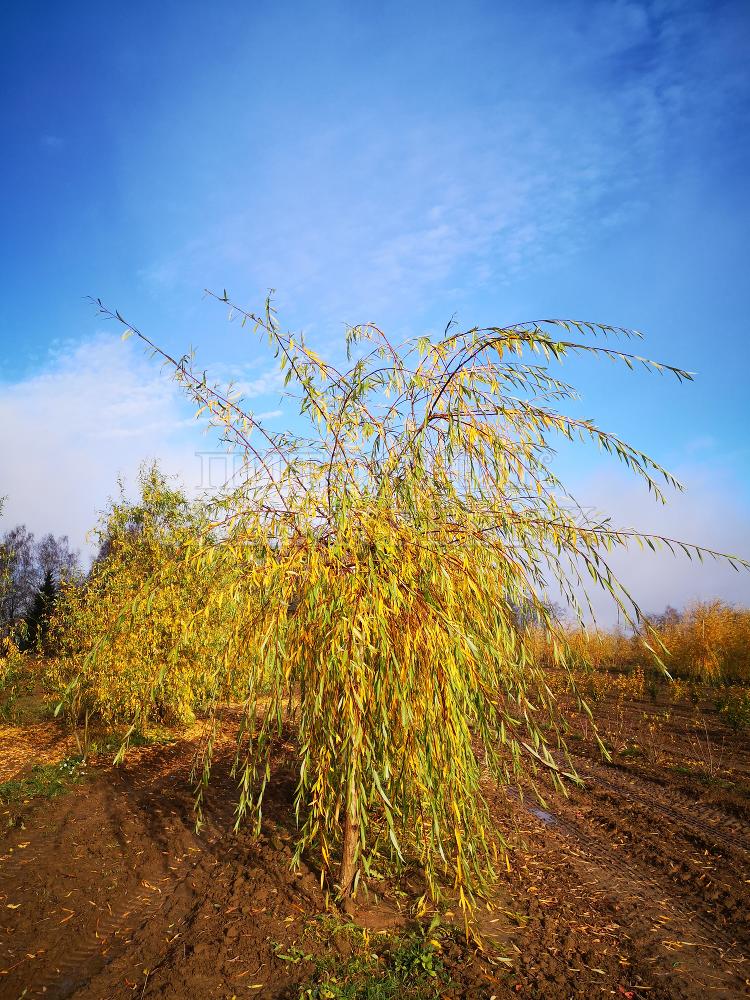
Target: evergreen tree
37,620
25,564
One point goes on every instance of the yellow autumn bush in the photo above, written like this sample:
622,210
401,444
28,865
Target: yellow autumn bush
709,642
124,642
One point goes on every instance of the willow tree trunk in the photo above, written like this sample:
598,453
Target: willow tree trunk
350,845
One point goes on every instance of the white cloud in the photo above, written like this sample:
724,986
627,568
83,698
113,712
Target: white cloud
268,383
97,411
66,434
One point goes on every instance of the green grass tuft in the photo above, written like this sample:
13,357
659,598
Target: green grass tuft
409,967
43,781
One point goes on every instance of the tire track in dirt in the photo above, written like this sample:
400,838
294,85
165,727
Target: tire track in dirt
150,922
660,867
152,789
139,794
93,953
711,824
648,898
244,901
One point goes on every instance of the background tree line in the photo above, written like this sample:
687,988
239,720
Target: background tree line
31,572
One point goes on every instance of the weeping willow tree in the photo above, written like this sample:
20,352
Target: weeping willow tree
377,573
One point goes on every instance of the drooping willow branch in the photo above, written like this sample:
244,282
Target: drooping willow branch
381,580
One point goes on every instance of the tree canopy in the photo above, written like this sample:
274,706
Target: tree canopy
378,574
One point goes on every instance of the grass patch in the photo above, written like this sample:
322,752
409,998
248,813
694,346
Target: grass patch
697,774
43,781
386,967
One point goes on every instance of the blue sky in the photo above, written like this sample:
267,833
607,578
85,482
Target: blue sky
393,162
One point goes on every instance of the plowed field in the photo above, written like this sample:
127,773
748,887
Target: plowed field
636,886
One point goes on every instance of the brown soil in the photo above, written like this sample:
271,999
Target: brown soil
42,743
637,886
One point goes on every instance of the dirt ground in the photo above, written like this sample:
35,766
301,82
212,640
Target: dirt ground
637,886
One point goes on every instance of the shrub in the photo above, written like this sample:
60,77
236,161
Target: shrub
12,672
734,709
121,645
710,642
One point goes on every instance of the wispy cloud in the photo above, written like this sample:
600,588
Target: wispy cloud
398,204
96,411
